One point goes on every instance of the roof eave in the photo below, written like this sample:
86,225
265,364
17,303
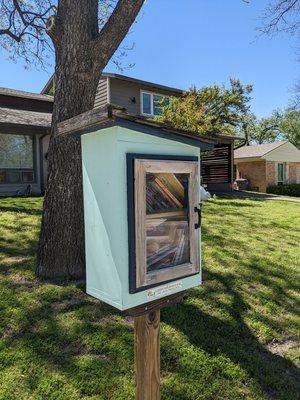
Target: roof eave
142,82
48,85
25,95
249,159
23,128
124,78
107,116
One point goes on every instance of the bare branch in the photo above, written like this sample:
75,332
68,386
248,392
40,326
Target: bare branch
29,28
22,29
116,28
281,16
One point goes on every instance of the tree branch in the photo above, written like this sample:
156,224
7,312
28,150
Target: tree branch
23,21
116,28
282,16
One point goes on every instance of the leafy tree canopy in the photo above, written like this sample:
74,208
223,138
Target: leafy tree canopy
209,110
289,126
259,131
281,125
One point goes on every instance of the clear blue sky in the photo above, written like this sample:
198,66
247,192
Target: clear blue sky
179,43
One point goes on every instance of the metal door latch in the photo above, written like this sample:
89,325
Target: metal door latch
198,211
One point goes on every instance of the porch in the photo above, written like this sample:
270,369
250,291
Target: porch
25,120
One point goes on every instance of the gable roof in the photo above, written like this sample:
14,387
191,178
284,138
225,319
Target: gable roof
258,150
156,86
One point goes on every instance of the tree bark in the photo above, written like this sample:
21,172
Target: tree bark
81,54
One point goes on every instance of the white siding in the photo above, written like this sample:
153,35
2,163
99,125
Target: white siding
101,95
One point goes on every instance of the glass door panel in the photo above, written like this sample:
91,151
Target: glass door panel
167,220
165,196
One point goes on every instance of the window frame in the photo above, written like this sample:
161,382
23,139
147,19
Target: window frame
152,94
139,279
22,170
281,182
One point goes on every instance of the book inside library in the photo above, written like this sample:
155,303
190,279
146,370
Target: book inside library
167,220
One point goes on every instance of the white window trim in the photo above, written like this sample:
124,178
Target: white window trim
151,102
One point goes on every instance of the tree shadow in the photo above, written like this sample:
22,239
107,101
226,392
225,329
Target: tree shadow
20,210
275,375
88,342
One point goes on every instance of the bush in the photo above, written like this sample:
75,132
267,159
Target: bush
285,190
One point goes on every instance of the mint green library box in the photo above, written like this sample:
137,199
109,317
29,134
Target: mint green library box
141,211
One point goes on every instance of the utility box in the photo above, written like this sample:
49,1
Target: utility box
141,207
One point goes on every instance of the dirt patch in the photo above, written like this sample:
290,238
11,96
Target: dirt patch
20,282
282,348
13,261
103,357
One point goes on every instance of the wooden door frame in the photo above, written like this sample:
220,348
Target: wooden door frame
135,240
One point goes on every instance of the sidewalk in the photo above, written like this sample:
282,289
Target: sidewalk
257,196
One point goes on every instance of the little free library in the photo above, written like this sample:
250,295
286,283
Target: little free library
142,213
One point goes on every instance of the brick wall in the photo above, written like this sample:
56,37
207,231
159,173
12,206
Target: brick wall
262,174
255,172
271,176
292,172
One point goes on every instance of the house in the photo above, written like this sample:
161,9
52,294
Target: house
268,164
143,98
25,120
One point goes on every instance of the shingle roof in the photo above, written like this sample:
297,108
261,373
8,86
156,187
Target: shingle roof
25,95
9,116
258,150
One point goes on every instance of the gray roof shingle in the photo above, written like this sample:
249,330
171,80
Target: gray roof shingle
25,95
25,117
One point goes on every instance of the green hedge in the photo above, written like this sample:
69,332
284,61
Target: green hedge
285,190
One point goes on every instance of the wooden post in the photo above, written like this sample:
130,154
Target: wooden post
147,356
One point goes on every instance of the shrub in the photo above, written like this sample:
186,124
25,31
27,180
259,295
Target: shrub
285,190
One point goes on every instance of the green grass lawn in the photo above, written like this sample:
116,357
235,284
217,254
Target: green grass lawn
235,337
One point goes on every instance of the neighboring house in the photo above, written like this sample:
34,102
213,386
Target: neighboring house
25,120
268,164
136,96
143,98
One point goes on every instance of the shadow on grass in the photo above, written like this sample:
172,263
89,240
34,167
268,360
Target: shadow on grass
88,342
61,329
97,350
18,209
278,377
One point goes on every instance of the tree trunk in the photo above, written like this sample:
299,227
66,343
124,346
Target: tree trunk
81,54
61,246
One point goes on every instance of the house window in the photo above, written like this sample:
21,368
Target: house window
151,103
281,171
16,159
